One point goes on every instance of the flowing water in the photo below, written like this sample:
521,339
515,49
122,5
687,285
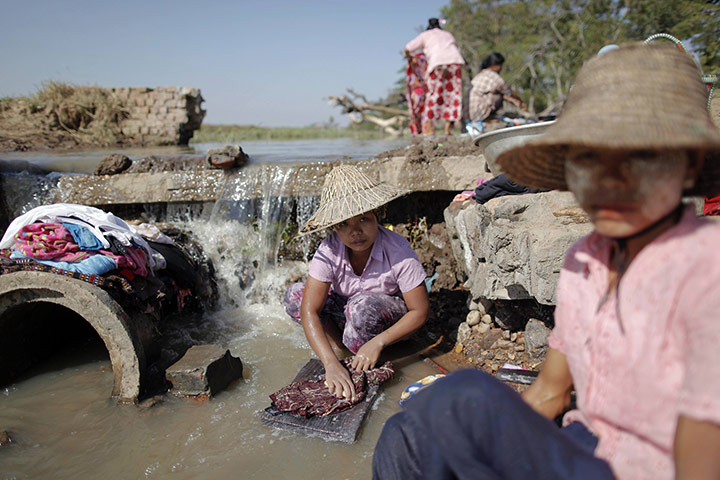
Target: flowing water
65,425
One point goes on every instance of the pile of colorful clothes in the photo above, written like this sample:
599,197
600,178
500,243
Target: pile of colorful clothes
82,242
311,397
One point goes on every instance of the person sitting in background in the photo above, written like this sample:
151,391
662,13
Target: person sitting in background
443,76
366,287
636,323
489,91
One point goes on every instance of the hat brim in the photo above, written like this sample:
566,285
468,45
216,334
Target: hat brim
328,216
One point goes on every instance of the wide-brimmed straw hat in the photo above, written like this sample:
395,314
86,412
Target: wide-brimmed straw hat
644,97
348,192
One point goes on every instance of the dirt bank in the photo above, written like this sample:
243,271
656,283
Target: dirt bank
420,150
61,116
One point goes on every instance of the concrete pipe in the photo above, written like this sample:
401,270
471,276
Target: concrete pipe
33,306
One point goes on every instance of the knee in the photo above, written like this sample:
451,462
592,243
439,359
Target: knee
466,390
293,299
294,293
401,450
385,308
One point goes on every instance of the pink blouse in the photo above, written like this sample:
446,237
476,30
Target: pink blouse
393,266
650,352
439,48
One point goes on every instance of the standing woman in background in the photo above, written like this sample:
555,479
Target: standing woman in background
443,76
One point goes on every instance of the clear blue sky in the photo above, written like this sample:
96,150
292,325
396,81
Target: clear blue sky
262,62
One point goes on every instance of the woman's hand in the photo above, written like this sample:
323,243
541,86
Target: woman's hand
338,381
368,355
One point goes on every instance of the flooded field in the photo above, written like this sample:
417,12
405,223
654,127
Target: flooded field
65,425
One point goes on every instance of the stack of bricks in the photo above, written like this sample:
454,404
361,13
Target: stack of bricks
160,116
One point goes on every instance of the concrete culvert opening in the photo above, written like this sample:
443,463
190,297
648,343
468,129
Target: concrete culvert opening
31,333
42,312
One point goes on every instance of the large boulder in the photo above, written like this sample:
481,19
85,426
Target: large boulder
513,247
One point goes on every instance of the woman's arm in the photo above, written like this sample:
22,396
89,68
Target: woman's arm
696,450
515,99
418,307
416,43
549,395
314,298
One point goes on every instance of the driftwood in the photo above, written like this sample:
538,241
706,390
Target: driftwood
358,109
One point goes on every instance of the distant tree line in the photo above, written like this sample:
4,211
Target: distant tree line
545,42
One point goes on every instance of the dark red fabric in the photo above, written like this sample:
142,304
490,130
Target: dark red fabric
311,397
712,206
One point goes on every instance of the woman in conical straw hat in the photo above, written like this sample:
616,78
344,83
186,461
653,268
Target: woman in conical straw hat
636,323
365,289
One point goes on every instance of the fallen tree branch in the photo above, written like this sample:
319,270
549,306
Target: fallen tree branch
350,106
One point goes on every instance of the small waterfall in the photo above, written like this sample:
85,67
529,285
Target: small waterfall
246,229
248,232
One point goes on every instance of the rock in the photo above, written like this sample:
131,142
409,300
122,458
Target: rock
230,156
509,318
113,164
513,247
487,319
536,336
464,333
5,438
203,371
481,328
473,318
490,338
482,305
148,403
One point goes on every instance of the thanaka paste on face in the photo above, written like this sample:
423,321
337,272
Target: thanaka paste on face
625,192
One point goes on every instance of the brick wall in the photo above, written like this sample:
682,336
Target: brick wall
162,115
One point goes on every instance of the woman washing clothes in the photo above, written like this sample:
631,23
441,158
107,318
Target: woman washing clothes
443,76
365,289
489,90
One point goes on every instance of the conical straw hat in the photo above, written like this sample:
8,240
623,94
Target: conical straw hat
645,97
348,192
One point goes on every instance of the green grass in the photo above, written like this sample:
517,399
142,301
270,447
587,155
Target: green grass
239,133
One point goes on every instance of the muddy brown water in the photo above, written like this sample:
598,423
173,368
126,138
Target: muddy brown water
64,424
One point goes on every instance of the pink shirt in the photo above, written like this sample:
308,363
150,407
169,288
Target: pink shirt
392,266
631,386
439,48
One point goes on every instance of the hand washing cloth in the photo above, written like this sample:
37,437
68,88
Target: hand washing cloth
92,265
312,397
48,241
648,353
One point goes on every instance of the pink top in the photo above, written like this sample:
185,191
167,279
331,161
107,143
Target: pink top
439,48
392,266
632,385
